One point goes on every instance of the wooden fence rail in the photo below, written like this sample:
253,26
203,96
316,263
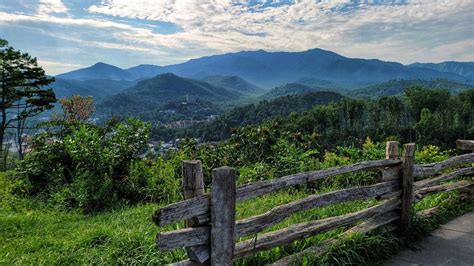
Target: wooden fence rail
212,229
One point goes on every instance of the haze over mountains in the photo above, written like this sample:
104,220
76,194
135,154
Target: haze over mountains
270,69
225,79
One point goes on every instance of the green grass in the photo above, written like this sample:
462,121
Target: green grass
32,232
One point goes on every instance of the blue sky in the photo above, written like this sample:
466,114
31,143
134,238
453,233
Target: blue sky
69,34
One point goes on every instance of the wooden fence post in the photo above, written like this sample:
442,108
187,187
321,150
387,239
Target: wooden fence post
391,153
407,185
391,150
465,145
223,200
193,186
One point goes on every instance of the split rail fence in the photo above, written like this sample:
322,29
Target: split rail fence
212,229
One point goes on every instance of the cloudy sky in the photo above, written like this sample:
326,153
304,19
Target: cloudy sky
69,34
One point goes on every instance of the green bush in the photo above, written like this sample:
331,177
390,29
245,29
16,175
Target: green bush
89,167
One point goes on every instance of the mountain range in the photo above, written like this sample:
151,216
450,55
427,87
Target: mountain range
248,76
270,69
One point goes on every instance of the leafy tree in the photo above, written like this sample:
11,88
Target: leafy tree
22,92
77,108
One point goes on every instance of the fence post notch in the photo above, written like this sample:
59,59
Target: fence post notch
223,200
408,167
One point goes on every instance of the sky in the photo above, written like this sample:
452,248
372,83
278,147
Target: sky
70,34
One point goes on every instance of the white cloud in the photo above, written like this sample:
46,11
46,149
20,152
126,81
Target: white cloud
396,30
221,25
51,6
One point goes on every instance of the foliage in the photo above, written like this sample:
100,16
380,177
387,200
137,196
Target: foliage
421,115
87,166
77,108
22,92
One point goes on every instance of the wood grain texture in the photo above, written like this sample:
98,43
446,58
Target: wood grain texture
185,237
252,225
193,186
304,230
260,222
363,228
434,181
200,205
467,145
223,202
422,193
407,185
391,150
433,168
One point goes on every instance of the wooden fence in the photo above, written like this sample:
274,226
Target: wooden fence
212,229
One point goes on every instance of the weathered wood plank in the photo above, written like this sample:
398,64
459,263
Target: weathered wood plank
422,193
223,216
433,181
257,223
264,187
180,238
304,230
363,228
186,262
407,185
466,145
433,168
193,186
185,237
391,173
200,205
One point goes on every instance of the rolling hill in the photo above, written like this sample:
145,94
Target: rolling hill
155,93
289,89
396,87
255,113
233,83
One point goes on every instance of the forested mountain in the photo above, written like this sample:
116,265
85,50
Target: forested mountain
155,93
290,89
144,71
98,71
256,113
465,69
398,86
98,89
233,83
270,69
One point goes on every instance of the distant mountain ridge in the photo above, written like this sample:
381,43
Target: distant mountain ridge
465,69
397,87
270,69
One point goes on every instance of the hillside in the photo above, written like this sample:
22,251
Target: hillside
289,89
233,83
396,87
155,93
255,113
465,69
270,69
98,89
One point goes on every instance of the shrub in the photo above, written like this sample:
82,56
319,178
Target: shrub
87,166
